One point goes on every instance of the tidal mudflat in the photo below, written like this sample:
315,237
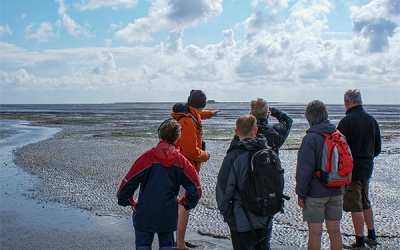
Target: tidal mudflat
82,166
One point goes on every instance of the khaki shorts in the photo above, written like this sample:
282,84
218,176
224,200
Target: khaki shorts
355,197
319,209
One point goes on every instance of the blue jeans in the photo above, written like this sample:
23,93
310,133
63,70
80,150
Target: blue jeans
144,240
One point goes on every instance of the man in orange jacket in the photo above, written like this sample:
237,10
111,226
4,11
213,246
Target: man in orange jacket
189,116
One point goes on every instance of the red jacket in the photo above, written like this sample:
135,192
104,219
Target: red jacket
159,172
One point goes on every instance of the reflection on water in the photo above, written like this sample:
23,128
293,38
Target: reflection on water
15,182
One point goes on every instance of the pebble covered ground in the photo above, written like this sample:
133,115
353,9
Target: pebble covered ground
83,168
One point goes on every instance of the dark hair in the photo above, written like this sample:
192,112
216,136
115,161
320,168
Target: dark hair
245,124
316,112
170,131
353,96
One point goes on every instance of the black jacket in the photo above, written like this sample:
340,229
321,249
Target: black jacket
275,134
230,177
364,138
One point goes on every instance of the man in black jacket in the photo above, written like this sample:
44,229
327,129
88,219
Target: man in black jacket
276,134
248,230
364,138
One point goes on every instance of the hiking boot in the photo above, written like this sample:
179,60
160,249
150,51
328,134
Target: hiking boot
371,242
354,246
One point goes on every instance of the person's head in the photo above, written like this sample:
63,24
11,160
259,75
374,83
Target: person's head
197,99
316,112
352,98
259,108
170,131
246,126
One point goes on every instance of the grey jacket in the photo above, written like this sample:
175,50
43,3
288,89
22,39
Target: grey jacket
231,176
308,162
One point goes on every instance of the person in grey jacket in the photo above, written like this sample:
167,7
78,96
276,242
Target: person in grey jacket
247,232
317,201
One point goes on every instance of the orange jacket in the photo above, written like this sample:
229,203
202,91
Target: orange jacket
190,141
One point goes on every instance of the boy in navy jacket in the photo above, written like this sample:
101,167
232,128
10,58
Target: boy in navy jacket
160,171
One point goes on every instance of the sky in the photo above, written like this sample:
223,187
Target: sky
106,51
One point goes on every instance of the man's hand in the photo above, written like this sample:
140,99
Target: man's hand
215,112
133,206
301,203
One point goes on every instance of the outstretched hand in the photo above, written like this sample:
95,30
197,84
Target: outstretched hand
215,112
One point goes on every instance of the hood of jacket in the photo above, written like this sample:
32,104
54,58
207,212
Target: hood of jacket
325,127
251,144
165,153
180,109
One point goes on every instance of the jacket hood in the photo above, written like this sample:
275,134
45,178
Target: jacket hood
180,109
165,153
324,127
255,143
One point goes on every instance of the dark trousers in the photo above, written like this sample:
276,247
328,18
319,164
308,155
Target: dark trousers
257,239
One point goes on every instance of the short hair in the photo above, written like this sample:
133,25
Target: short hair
170,131
259,108
316,112
245,125
353,96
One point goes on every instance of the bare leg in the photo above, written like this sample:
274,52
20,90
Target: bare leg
183,218
314,236
335,238
369,218
358,223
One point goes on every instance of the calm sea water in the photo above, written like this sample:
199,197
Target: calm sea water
152,114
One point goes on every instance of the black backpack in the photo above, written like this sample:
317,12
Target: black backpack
264,183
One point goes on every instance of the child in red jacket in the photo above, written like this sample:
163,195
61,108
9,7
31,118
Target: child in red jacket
159,172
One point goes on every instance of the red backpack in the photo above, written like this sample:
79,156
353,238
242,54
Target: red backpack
337,161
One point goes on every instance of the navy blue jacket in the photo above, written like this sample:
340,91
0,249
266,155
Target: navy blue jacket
308,162
159,172
364,138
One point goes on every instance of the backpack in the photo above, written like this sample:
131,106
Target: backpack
263,186
336,162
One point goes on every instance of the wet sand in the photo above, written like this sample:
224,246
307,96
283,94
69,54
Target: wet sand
80,170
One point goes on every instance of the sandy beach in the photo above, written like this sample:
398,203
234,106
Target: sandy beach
77,172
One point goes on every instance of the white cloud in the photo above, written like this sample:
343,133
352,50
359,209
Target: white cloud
373,26
169,15
73,28
103,64
283,59
273,5
5,30
174,42
115,4
41,34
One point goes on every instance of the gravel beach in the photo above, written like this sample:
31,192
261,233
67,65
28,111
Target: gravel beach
80,168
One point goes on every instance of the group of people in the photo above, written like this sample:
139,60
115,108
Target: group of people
168,175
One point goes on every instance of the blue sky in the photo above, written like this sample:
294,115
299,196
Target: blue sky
104,51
